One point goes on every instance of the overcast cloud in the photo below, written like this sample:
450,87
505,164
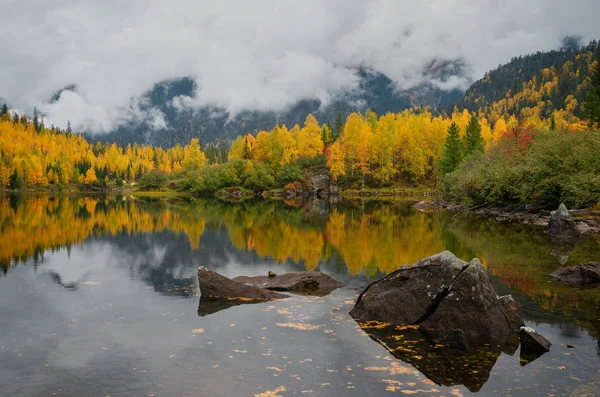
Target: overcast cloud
255,54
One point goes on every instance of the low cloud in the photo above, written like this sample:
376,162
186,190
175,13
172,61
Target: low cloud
259,55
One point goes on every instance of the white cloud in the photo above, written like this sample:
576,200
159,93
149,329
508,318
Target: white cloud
255,54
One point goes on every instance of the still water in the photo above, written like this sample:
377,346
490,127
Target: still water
99,297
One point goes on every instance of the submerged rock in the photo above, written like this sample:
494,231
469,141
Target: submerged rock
442,295
586,275
214,286
299,282
533,345
561,226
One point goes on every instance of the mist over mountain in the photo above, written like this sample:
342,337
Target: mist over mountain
171,120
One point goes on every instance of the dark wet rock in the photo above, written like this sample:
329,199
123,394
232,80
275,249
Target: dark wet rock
299,282
533,345
442,294
561,226
215,286
443,365
586,275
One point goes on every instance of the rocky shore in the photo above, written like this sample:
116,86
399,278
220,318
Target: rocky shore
587,221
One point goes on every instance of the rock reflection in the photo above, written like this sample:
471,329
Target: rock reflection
208,306
442,365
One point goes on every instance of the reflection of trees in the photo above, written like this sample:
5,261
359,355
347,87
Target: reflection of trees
521,258
44,223
370,237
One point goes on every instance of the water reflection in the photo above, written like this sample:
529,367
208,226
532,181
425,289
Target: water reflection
118,241
444,366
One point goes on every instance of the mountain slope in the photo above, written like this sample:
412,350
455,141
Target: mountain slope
212,124
539,85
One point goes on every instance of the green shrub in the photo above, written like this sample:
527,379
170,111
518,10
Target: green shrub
259,179
554,167
289,174
153,180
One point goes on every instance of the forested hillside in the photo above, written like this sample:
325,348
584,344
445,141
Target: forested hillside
535,87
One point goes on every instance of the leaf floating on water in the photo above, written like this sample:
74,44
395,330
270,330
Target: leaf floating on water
456,393
198,331
88,283
377,368
276,369
171,356
392,385
299,326
272,393
419,391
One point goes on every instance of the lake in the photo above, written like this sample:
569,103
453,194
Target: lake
99,297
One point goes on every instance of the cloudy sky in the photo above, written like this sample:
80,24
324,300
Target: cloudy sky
262,54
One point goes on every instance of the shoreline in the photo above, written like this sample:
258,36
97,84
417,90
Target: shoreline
587,220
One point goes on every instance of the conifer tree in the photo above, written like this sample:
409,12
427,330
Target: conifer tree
36,120
591,105
473,141
453,150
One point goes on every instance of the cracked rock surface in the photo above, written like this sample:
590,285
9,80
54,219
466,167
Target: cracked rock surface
442,294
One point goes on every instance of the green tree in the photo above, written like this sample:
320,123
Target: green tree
591,105
36,120
339,126
16,181
473,141
453,150
4,113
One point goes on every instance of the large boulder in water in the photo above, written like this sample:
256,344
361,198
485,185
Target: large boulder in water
307,283
214,286
561,226
442,294
586,275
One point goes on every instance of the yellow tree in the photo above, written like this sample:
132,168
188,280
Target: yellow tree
335,160
90,176
382,148
354,128
309,139
193,159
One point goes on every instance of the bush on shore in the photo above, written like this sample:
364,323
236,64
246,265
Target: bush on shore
530,167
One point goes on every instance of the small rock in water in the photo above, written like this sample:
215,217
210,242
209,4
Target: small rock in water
562,227
586,275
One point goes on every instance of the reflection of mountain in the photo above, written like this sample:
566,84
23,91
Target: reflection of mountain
444,366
